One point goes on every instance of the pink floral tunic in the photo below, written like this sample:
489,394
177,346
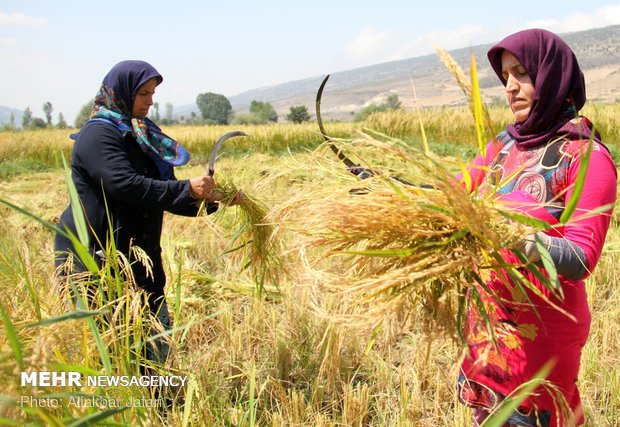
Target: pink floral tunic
528,334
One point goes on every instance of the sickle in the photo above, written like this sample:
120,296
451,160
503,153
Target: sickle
354,168
216,147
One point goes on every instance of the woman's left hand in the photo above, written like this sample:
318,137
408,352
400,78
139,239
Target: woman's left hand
238,199
529,247
217,196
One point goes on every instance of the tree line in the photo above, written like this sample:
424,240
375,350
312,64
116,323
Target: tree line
29,121
213,108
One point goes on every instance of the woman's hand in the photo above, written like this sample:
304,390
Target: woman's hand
238,199
530,249
201,187
218,197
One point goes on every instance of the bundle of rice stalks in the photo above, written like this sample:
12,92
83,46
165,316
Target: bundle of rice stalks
253,237
379,246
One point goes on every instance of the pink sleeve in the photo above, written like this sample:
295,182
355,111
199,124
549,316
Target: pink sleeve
589,231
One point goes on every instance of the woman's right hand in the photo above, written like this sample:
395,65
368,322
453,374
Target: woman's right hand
201,187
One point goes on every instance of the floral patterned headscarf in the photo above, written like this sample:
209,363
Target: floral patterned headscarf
114,103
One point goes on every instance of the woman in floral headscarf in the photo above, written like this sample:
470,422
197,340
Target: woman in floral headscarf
122,164
534,162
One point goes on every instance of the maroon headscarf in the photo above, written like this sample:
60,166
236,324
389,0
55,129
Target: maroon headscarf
559,85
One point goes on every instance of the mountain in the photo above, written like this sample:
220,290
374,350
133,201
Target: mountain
5,116
346,92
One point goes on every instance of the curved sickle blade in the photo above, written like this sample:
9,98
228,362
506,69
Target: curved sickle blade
216,147
354,168
327,139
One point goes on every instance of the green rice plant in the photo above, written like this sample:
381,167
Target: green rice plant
254,236
13,338
270,139
399,243
507,407
471,90
117,329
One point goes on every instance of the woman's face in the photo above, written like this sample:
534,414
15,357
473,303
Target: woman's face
519,87
143,99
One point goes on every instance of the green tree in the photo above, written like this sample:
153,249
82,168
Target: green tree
84,114
27,118
391,103
11,124
264,111
155,112
38,123
62,124
169,113
298,114
247,119
215,108
47,110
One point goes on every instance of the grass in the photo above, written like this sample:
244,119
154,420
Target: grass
255,359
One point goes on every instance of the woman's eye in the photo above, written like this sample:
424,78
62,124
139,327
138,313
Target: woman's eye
521,73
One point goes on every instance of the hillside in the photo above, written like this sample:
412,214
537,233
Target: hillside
5,116
598,51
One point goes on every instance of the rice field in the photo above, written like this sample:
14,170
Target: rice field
256,352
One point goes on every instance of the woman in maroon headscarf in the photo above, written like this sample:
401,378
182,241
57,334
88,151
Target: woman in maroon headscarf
535,162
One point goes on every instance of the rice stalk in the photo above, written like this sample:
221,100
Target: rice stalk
254,236
470,89
382,246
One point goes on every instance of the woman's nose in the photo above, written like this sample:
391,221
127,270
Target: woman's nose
511,84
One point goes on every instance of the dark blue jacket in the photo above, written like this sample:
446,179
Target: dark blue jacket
109,169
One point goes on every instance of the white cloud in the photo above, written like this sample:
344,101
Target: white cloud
8,42
542,23
445,39
461,37
20,20
369,44
601,17
372,45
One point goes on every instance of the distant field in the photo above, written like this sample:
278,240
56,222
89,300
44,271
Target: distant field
450,129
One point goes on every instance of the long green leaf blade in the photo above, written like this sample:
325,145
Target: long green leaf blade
13,337
76,206
72,315
93,419
79,248
571,205
511,403
477,105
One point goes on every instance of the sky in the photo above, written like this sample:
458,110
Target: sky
59,51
